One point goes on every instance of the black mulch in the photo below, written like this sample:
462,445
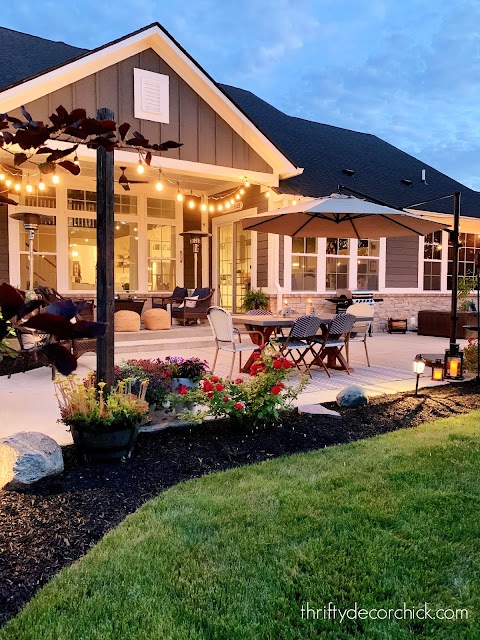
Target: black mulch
59,520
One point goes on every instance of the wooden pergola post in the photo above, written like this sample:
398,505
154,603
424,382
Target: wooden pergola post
105,258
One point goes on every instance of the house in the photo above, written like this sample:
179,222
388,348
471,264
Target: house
240,157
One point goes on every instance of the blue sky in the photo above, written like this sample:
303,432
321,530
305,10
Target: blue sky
406,71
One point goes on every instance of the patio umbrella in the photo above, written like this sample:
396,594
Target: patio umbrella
341,216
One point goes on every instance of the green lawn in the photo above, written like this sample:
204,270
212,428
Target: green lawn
235,555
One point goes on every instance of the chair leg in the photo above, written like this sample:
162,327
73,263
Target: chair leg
366,352
239,362
232,365
215,360
347,351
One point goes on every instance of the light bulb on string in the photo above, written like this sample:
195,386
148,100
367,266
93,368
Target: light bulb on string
267,194
75,160
179,195
232,201
28,186
2,176
41,185
140,167
227,205
237,197
55,178
203,206
242,191
246,183
159,183
220,207
8,182
191,204
211,208
18,186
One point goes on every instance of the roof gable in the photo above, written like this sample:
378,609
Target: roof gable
156,38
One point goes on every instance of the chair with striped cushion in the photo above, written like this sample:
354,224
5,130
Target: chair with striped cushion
298,341
334,338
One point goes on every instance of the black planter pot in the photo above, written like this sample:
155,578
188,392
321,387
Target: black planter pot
107,446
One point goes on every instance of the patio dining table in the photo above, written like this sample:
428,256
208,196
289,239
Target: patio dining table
265,325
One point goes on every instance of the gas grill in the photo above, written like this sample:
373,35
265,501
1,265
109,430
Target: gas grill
345,298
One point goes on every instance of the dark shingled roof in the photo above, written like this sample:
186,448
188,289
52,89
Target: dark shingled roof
323,150
24,55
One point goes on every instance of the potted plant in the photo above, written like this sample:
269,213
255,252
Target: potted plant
104,426
255,299
186,375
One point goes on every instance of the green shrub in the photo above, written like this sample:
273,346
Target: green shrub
255,299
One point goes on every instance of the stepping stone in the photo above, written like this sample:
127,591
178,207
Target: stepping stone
318,410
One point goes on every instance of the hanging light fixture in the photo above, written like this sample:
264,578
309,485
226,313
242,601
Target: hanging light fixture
203,206
41,185
159,183
55,178
267,194
179,193
28,186
140,167
8,183
18,187
76,160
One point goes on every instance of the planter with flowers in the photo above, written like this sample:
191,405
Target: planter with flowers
104,426
186,376
260,401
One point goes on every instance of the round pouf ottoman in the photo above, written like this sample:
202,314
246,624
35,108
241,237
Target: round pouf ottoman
126,320
156,319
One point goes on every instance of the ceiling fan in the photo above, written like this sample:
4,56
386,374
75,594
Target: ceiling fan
125,182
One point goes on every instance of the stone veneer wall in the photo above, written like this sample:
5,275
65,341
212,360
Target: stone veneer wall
394,305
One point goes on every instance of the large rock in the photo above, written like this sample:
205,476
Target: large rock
351,397
27,457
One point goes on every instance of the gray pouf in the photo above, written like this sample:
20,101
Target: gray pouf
352,397
27,457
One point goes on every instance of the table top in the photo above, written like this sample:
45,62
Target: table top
264,321
279,321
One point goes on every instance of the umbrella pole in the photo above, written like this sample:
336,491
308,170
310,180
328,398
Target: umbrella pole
455,240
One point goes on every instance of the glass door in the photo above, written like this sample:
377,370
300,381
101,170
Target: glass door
234,265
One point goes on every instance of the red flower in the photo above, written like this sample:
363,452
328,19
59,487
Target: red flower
226,399
275,390
219,386
182,390
215,379
281,385
210,394
286,364
238,406
207,385
239,381
277,364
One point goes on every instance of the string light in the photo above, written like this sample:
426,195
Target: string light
267,194
159,183
55,178
191,204
18,186
2,176
179,194
294,201
220,207
8,182
140,167
227,205
242,191
211,208
28,186
41,185
203,206
76,161
237,197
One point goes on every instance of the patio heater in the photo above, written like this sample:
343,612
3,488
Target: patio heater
30,224
196,241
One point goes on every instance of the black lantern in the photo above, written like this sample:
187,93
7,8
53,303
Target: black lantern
454,364
437,370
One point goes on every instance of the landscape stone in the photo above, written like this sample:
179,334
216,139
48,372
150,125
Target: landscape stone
318,410
352,397
26,457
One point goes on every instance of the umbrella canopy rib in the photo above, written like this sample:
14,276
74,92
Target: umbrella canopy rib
401,225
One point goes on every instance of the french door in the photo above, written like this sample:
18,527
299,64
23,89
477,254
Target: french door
234,265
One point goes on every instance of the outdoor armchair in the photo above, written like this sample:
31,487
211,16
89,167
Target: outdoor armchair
225,335
174,299
194,307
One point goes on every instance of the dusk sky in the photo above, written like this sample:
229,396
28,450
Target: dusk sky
406,71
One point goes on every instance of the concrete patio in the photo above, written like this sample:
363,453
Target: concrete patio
27,401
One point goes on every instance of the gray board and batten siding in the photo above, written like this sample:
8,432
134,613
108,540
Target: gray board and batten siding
206,137
401,268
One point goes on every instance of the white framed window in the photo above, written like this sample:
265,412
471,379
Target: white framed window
368,264
337,264
151,96
304,264
44,255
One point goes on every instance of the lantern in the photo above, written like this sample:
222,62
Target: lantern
454,364
437,370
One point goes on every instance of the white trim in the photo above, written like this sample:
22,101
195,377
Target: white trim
164,46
